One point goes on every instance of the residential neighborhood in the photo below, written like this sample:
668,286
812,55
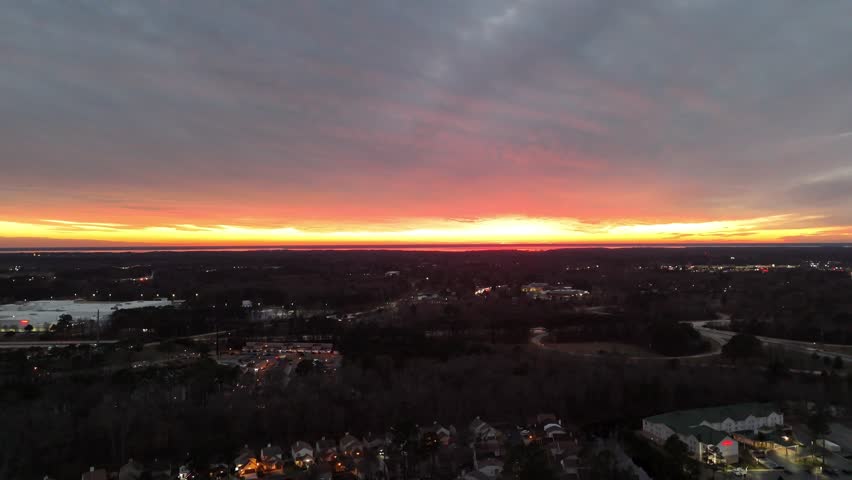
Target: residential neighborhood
480,452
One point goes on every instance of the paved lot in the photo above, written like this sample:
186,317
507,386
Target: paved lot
835,462
841,435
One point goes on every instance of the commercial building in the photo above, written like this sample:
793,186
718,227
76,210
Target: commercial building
545,291
710,432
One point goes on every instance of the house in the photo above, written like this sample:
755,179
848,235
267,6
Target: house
326,450
185,472
351,446
246,454
564,293
481,431
443,434
248,468
545,291
303,454
556,439
131,471
490,467
92,474
376,442
476,475
711,430
554,431
271,457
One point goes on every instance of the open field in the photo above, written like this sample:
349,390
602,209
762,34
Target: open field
599,348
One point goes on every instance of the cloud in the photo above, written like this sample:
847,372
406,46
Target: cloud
508,230
335,113
828,192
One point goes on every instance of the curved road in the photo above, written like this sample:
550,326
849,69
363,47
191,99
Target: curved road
723,336
719,338
540,333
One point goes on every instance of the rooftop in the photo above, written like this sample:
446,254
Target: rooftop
688,418
688,422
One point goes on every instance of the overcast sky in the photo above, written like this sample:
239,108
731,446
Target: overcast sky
347,115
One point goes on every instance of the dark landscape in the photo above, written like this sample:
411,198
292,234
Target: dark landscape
276,347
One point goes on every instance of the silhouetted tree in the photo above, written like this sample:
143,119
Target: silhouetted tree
529,463
743,345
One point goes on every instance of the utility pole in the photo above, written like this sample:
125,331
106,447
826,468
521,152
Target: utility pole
216,328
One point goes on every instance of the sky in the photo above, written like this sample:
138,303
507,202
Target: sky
260,122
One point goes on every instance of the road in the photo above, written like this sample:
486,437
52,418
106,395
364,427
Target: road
540,333
222,333
53,343
722,336
65,343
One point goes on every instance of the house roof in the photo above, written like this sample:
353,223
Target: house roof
705,434
271,451
349,441
554,428
300,445
689,422
687,418
244,458
435,428
477,424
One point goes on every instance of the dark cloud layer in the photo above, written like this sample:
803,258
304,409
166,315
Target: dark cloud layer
594,109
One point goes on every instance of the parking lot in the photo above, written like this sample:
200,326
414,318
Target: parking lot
842,435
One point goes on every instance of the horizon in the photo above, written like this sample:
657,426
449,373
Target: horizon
434,247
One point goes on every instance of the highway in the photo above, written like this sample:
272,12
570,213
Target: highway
52,343
65,343
722,336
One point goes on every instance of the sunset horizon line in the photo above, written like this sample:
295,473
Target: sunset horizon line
511,230
130,247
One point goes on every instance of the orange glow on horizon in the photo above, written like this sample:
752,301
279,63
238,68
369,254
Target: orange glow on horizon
501,230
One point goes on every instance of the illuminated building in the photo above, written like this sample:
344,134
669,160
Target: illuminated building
707,430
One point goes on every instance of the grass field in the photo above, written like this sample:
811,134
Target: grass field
602,348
